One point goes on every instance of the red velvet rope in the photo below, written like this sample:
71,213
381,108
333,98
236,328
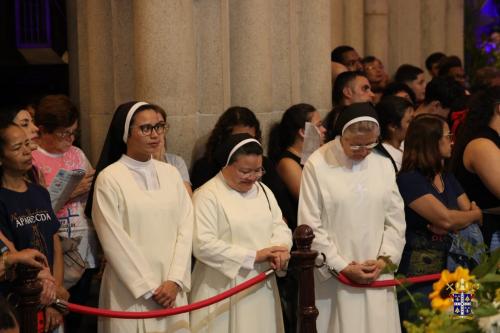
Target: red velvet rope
389,283
228,293
173,311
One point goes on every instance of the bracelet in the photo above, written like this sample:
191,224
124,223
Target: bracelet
4,260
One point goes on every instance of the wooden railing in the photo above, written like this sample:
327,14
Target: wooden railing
304,259
27,288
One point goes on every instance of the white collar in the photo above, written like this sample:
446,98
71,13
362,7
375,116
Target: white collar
135,164
335,157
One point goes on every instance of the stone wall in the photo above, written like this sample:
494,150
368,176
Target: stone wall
195,58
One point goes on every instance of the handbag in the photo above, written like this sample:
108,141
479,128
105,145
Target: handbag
74,265
426,253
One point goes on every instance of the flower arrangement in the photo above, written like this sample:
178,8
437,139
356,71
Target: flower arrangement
484,282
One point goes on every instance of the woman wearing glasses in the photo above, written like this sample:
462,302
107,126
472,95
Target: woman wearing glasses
57,120
350,199
239,232
144,219
435,203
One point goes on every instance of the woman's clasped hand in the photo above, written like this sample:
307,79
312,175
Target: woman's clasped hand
365,272
277,256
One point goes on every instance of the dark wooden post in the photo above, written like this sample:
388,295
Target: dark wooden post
27,289
304,259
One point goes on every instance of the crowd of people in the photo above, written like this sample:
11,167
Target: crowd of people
403,173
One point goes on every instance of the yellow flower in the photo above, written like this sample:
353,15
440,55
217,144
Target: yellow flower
440,297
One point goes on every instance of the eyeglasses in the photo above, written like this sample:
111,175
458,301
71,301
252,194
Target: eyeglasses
147,129
449,136
367,147
67,134
247,174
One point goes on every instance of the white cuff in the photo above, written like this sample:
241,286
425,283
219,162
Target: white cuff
249,260
148,295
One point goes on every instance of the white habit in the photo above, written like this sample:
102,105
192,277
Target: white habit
357,214
229,229
145,229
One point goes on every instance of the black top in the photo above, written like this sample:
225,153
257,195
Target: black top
291,216
203,170
27,219
471,182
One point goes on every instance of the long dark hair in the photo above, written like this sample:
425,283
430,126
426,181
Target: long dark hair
283,134
481,110
422,146
234,116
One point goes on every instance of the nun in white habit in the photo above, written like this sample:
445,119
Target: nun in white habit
239,232
350,199
144,219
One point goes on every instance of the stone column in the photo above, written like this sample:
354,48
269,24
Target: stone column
250,50
433,17
165,66
314,53
337,23
285,55
100,72
377,29
354,32
100,47
211,21
455,28
78,65
404,34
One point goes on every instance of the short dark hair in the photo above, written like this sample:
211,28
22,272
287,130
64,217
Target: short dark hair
337,54
407,73
445,90
448,63
394,87
55,111
433,58
342,80
422,146
368,59
391,110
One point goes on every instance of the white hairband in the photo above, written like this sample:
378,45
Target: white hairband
357,120
129,118
238,146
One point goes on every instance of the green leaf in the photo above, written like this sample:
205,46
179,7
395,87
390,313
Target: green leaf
490,278
488,266
485,310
